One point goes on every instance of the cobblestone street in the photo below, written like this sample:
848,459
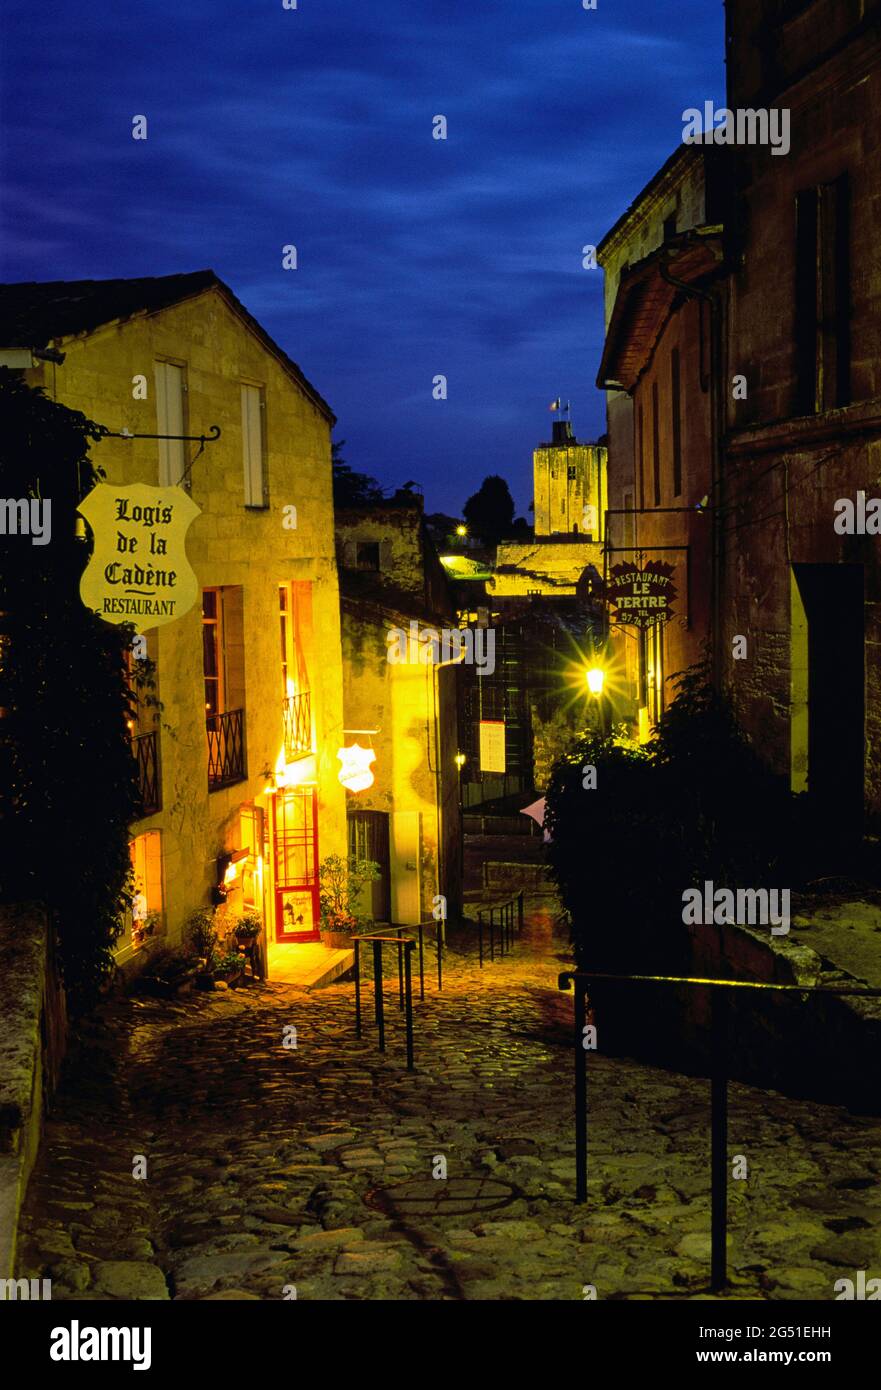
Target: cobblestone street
269,1167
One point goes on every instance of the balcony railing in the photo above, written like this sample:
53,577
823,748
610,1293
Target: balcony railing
146,752
297,714
226,748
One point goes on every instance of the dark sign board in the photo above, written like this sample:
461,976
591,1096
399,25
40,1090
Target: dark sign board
642,595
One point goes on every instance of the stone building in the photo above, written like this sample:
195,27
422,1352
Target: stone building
239,768
662,261
403,708
803,441
541,607
743,317
569,497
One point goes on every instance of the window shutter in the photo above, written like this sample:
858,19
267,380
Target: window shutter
252,446
170,420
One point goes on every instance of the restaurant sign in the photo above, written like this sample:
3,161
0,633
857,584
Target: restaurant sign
642,595
139,572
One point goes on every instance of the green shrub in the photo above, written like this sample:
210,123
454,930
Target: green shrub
68,781
695,803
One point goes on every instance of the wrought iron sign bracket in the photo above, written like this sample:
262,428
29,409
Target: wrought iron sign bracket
200,439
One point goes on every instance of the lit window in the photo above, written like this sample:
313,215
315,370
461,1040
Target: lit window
144,919
212,651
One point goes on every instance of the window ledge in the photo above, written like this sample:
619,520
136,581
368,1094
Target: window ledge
864,417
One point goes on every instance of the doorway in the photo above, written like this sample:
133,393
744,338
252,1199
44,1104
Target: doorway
369,840
295,864
832,596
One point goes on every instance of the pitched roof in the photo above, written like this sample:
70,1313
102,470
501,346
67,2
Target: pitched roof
645,300
33,312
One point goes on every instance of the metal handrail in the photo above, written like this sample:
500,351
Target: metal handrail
405,947
438,938
719,1084
506,912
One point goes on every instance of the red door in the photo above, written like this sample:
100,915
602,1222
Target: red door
295,850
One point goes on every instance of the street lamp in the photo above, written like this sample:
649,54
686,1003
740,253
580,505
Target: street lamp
595,678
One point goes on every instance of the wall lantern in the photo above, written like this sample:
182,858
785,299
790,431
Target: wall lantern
228,866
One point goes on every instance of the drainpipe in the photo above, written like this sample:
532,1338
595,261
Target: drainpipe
435,691
717,425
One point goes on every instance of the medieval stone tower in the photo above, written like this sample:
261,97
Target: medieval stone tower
570,485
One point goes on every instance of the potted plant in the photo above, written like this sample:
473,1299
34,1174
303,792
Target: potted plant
248,927
244,936
200,929
341,883
167,973
230,967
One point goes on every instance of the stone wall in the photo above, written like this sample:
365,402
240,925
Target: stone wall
33,1026
814,1047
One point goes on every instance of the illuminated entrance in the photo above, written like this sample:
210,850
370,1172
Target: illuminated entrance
295,863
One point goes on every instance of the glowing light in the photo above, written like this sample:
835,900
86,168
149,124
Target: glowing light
595,678
355,772
461,530
460,760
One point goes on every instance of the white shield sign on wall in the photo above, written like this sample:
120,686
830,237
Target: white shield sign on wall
139,572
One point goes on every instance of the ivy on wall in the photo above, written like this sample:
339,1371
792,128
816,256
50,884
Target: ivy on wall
68,783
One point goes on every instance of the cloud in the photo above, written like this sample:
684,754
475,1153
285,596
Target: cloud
313,126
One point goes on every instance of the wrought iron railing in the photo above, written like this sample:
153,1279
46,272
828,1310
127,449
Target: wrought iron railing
146,752
297,715
720,993
226,748
500,918
405,946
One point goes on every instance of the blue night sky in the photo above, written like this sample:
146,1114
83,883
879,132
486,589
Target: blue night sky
314,127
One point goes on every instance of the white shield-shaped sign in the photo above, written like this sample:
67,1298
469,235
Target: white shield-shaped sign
139,572
355,772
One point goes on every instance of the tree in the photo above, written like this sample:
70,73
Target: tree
351,489
68,781
489,512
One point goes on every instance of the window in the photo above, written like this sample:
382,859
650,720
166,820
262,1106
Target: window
639,458
572,473
562,506
212,651
822,297
367,555
253,453
676,422
250,876
223,672
144,918
628,519
294,609
656,445
170,391
655,673
670,226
